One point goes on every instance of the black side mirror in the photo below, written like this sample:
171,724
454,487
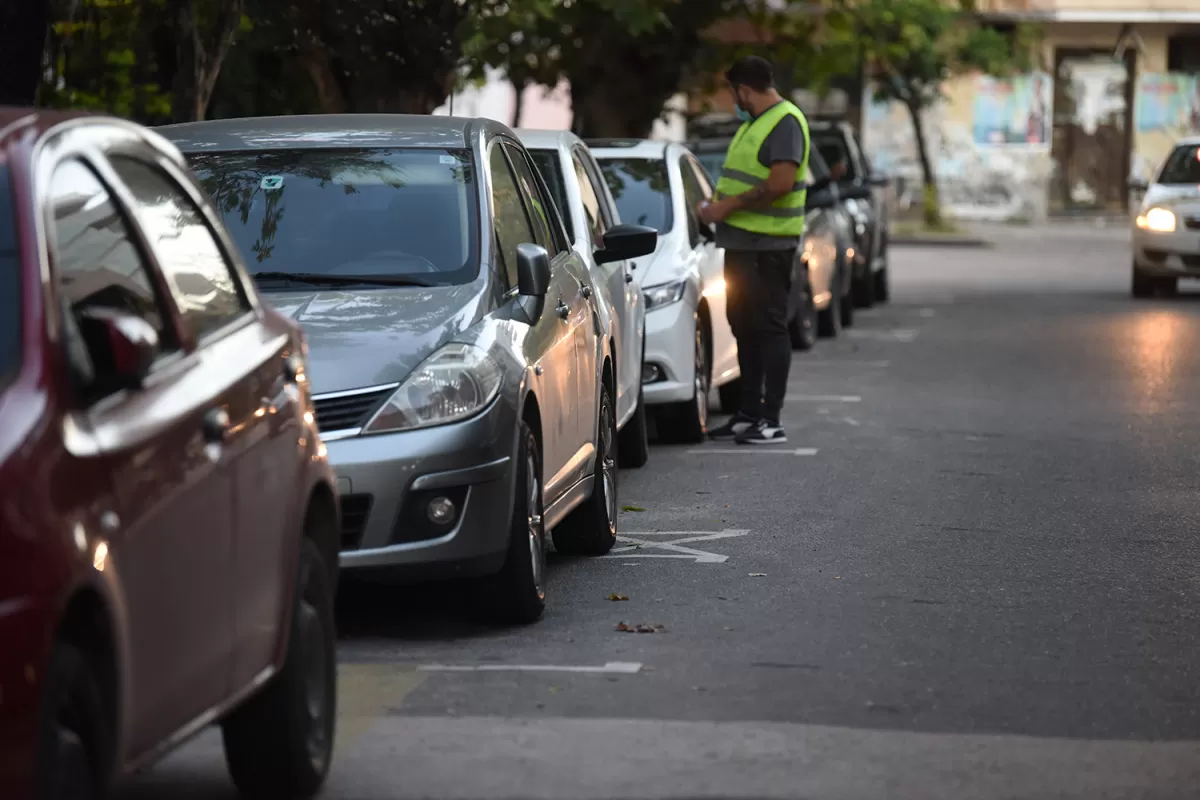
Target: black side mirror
856,192
626,241
825,198
123,347
533,270
1138,185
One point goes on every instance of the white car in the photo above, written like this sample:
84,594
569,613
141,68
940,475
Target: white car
588,210
689,346
1166,233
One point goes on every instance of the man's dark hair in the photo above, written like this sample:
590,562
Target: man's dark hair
752,71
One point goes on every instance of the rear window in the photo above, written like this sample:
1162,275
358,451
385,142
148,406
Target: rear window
10,286
550,165
641,189
405,212
1182,166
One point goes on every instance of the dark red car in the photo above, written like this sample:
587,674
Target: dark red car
168,522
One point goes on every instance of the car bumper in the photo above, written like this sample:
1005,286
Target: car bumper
670,351
387,481
1176,254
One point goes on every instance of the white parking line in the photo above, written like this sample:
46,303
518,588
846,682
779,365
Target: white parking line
744,450
611,668
802,361
636,542
905,335
826,398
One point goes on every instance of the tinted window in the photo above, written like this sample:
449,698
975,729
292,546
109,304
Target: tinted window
692,197
542,218
597,225
201,281
394,212
511,221
10,286
1182,166
548,164
96,265
641,190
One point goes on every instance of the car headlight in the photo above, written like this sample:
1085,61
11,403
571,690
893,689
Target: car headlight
454,383
1159,220
664,294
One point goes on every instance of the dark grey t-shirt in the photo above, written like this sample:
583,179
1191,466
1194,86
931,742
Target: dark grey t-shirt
784,143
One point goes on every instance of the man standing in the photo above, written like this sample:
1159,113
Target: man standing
759,211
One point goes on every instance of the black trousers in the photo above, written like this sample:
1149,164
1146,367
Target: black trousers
758,286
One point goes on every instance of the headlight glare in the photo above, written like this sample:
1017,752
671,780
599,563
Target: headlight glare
454,383
664,294
1158,220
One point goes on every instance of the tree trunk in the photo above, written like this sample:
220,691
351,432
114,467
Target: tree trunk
518,103
317,63
200,54
931,206
23,26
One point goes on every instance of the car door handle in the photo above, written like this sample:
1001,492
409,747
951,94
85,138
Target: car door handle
216,425
586,291
629,277
562,310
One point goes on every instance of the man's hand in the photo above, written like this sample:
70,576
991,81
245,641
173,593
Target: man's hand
837,170
713,212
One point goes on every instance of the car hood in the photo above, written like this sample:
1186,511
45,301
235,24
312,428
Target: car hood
1182,198
665,264
367,338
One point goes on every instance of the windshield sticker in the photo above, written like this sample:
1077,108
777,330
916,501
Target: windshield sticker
451,160
271,182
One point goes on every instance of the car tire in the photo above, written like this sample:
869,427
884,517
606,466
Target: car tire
802,328
517,593
829,319
279,743
882,288
591,529
687,422
633,442
863,290
1168,287
73,759
1142,284
847,308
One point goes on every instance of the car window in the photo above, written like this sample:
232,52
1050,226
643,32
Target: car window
10,286
1182,166
833,150
96,265
543,218
201,279
712,162
547,162
597,224
641,190
511,222
692,197
702,177
348,211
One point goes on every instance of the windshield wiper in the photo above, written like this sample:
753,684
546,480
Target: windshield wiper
318,279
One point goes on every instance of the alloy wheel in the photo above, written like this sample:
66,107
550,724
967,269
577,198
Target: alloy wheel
608,464
701,380
535,525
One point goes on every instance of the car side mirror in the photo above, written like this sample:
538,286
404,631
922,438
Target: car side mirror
880,180
627,241
533,270
822,199
856,192
123,347
1138,185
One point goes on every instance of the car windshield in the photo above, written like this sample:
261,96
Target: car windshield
832,148
1182,166
395,213
10,283
550,166
641,190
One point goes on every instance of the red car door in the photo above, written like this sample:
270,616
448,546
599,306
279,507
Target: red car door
170,519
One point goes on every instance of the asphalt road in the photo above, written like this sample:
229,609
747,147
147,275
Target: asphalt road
971,573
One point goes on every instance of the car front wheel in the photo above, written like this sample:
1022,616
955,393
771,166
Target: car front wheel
688,421
280,742
803,327
72,761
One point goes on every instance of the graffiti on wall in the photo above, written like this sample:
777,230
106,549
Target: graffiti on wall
1167,108
990,156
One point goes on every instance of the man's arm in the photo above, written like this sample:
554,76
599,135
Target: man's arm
778,183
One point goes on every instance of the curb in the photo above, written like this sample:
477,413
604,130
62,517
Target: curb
939,241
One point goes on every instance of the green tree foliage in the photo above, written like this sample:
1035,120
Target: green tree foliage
911,48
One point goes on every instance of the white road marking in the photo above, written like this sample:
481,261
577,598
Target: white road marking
826,398
611,668
851,421
801,362
764,449
636,542
905,335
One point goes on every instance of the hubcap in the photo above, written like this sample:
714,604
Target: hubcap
608,466
701,381
537,551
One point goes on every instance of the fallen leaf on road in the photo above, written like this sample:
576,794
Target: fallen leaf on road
641,627
614,596
758,574
632,508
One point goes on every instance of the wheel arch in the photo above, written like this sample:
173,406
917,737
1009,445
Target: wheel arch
322,524
87,624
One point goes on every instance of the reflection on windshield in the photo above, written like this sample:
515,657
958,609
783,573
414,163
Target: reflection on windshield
1182,167
641,189
364,212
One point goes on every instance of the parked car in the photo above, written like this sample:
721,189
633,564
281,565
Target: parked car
821,297
689,346
168,526
458,363
837,143
1166,231
588,210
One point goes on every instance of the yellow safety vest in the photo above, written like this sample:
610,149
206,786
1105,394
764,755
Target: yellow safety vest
742,172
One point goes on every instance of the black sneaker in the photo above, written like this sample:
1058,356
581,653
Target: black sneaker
737,424
762,432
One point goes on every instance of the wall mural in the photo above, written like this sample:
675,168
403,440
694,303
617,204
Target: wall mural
989,141
1166,108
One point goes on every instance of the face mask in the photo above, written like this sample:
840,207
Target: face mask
743,114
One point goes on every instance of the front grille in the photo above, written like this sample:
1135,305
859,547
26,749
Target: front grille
1157,256
355,510
347,411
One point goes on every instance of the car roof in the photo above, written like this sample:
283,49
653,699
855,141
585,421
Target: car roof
1188,141
16,123
547,140
630,148
317,131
